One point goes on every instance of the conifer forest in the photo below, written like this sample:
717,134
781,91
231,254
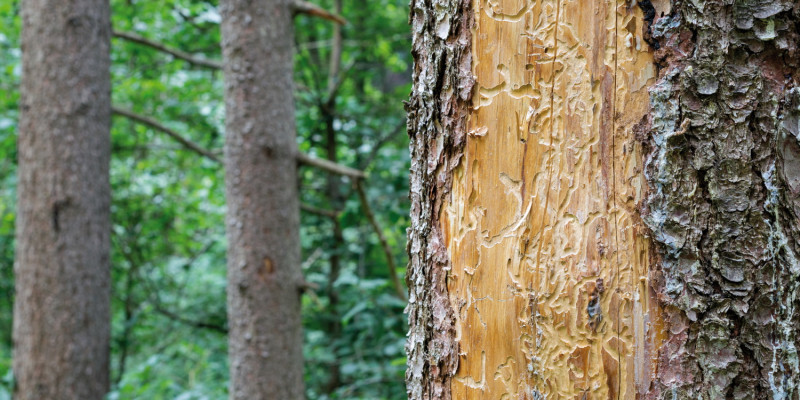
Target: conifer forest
394,199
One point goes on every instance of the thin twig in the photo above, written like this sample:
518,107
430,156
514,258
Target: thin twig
319,211
197,324
201,62
158,126
305,7
308,262
301,157
335,82
153,294
380,143
309,288
387,250
329,166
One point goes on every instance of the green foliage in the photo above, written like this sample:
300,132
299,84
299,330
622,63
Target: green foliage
9,98
168,210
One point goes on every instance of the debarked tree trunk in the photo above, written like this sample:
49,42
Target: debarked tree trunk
605,200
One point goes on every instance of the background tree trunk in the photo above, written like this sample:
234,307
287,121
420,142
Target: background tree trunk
264,274
537,188
62,269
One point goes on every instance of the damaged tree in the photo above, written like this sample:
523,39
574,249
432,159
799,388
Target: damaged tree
605,200
723,166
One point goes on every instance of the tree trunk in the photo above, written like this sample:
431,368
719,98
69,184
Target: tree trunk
62,266
333,190
723,166
263,206
605,200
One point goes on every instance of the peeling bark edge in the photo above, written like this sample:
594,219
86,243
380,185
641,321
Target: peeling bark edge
723,167
437,116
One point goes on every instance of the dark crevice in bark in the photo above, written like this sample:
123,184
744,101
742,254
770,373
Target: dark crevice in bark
724,201
649,15
437,112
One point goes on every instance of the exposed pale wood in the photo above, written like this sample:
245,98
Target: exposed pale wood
549,260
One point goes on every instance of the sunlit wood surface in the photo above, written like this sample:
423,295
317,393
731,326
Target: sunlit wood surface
549,263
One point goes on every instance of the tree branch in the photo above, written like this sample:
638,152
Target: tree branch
164,48
329,166
387,250
158,126
305,7
319,211
197,324
301,157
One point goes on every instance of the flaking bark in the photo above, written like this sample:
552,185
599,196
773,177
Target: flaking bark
724,206
437,114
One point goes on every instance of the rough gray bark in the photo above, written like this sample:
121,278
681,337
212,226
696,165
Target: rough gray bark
437,114
62,309
724,207
263,208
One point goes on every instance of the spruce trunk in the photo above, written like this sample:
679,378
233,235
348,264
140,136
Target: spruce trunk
605,200
266,359
62,267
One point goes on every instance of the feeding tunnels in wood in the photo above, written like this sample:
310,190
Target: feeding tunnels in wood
570,237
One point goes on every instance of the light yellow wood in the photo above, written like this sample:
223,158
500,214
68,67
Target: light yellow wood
549,274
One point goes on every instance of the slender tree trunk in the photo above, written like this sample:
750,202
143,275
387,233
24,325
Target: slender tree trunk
334,326
334,192
62,309
263,206
610,209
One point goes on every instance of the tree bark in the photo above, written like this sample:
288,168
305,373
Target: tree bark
437,114
62,267
264,276
611,210
724,206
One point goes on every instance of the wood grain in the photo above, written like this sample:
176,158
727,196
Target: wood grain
549,274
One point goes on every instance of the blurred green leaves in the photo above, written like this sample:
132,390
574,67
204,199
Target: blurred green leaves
169,208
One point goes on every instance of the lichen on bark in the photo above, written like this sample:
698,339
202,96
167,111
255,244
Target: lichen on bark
437,112
724,175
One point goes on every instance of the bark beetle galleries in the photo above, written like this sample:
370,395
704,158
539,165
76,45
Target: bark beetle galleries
533,211
515,222
544,206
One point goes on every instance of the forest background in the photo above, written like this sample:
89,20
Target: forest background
168,241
